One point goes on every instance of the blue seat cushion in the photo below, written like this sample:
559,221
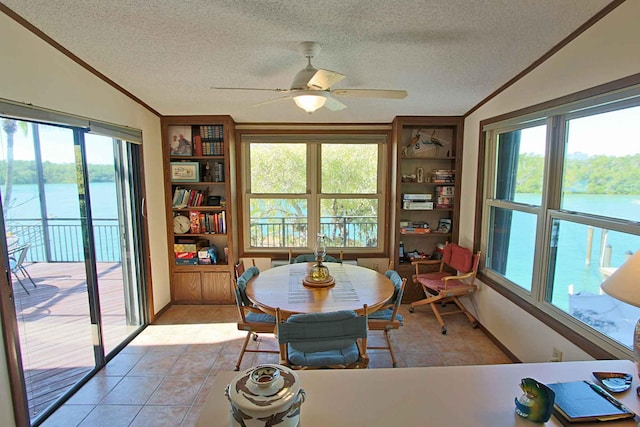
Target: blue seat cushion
344,356
385,315
260,318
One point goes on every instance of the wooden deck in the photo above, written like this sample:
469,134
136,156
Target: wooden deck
55,328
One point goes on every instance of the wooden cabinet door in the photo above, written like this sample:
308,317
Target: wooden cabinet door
186,287
216,288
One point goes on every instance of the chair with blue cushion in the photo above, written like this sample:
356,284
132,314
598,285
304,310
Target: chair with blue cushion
252,319
335,340
312,258
387,317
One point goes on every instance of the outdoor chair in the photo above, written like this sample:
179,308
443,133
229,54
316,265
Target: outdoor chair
17,256
252,319
335,340
455,278
387,317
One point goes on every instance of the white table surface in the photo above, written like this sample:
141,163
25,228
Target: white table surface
456,396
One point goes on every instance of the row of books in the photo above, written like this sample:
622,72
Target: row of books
205,223
443,176
414,227
184,197
203,147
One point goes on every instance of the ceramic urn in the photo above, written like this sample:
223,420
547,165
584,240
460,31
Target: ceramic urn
265,395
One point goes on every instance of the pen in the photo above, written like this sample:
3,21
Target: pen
602,392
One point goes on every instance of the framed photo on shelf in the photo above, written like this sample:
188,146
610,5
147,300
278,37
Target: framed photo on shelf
444,225
180,143
185,171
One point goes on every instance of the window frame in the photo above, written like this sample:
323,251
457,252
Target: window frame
557,113
379,136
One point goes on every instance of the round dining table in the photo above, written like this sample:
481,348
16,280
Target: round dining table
282,287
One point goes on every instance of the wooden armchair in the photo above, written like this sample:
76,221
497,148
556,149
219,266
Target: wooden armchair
455,278
387,317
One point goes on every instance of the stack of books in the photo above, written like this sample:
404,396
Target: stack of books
208,223
212,138
417,201
443,176
417,227
444,196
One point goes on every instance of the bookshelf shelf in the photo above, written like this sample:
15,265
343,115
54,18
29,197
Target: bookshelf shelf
198,225
427,174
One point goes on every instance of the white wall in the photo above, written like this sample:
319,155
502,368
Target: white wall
606,52
33,72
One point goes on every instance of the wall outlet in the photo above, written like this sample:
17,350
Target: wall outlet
556,355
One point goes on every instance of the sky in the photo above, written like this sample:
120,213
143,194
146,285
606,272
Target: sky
57,146
615,134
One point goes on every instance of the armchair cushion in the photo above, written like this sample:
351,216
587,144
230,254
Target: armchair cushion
342,356
260,318
385,315
312,258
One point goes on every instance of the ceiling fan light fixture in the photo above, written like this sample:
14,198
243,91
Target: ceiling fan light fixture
310,101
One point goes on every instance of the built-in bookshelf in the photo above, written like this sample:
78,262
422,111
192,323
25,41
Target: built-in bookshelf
427,178
197,172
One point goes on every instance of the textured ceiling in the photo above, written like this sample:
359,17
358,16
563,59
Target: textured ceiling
448,54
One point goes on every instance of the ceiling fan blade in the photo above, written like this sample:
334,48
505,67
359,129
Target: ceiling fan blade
324,79
250,88
270,101
334,105
371,93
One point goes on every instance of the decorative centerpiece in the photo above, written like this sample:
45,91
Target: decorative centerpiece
536,401
264,396
319,274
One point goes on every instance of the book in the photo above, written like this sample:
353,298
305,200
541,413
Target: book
584,401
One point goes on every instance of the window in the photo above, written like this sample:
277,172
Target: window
299,186
561,211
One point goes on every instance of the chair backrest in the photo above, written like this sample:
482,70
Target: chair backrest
239,269
312,258
457,257
241,282
315,332
461,259
399,284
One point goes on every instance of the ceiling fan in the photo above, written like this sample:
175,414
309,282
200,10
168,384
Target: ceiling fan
310,88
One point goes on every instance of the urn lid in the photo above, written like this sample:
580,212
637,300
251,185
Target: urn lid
264,388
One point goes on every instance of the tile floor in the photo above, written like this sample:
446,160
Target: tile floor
164,375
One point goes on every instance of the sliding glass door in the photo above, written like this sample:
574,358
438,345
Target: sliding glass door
72,219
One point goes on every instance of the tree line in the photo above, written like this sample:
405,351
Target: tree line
24,172
590,175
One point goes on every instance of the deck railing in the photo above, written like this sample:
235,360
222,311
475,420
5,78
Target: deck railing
60,239
340,231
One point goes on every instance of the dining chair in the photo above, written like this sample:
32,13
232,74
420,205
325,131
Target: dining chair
455,278
312,258
387,317
252,319
17,256
336,340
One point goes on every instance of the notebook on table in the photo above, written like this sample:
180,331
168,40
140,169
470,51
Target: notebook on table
583,402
